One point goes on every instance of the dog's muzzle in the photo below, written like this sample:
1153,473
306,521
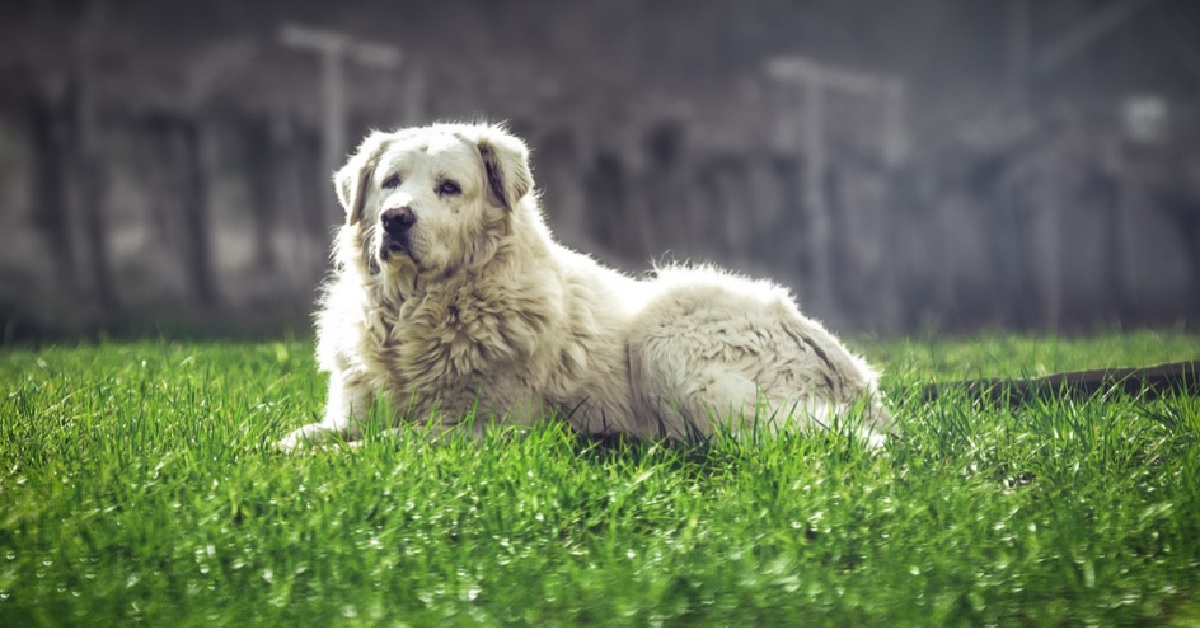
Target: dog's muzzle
395,225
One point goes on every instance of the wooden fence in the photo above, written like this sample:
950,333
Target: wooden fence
216,213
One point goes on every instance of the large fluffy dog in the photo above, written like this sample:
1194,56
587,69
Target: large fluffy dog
451,300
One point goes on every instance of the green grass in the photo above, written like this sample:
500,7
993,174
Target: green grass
138,482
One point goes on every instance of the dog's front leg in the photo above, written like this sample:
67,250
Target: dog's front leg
349,402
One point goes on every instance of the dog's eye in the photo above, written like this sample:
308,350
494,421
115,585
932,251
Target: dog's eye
449,188
391,182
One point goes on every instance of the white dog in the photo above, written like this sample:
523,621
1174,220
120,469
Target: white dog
451,300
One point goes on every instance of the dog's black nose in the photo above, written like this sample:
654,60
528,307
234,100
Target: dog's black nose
398,220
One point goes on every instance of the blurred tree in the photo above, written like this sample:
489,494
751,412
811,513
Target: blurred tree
88,166
260,140
196,159
49,127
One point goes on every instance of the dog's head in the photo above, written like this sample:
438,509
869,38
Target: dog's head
431,200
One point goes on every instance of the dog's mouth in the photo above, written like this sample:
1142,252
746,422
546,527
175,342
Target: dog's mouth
393,246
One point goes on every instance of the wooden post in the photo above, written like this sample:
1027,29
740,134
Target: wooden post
48,124
1128,181
816,207
815,79
91,190
199,161
262,177
1020,55
332,85
1048,246
894,141
335,49
413,103
196,152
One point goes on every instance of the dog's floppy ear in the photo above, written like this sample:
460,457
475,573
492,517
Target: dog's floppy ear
351,180
506,164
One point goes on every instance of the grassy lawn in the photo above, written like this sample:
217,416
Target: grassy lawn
138,482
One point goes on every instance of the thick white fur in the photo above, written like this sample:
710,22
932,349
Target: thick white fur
487,316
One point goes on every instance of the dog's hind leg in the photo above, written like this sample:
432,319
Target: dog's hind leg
706,359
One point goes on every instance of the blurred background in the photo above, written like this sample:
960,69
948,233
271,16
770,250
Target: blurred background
916,165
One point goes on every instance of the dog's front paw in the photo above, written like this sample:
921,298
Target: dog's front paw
318,436
299,439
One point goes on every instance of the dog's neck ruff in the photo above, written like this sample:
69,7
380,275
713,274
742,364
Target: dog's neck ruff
396,287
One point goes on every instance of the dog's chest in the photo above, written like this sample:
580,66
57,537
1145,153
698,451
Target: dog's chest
456,342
